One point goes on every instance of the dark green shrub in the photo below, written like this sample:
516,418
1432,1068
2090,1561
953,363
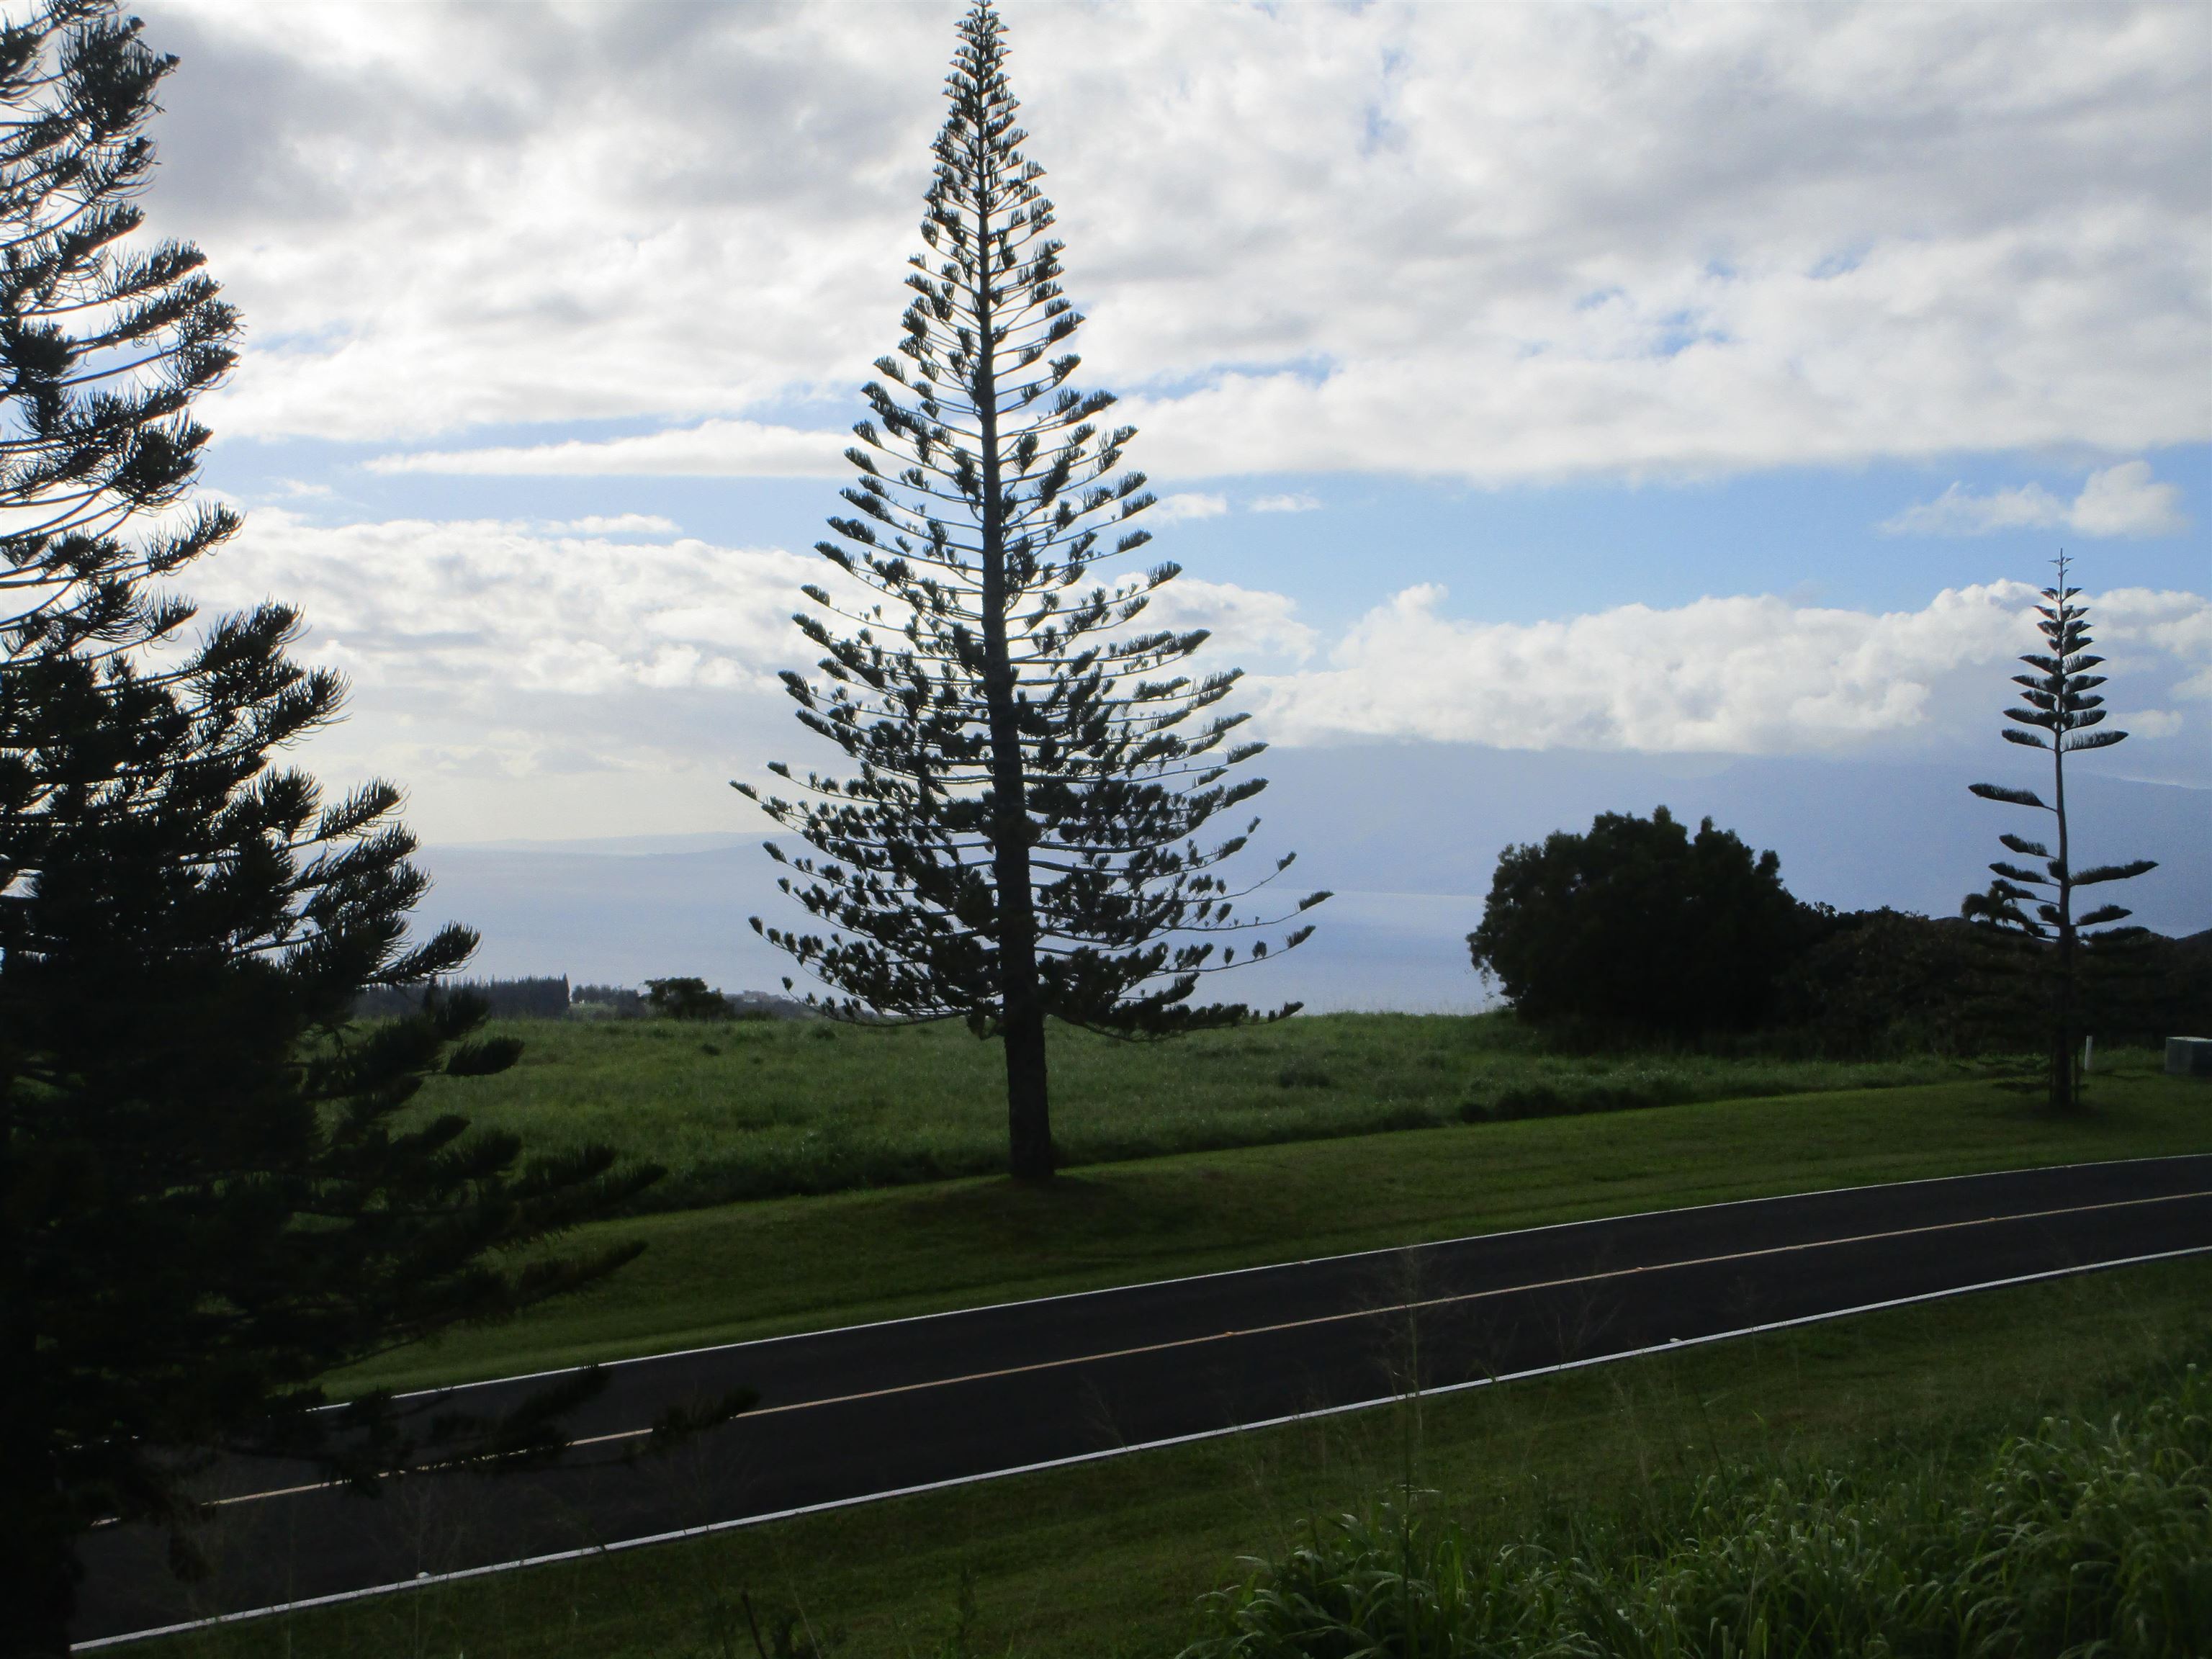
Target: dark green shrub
685,999
1636,925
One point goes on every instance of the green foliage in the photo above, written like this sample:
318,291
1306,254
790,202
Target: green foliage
741,1270
97,459
1024,838
1634,925
206,1199
686,999
1887,981
2035,907
2079,1538
806,1106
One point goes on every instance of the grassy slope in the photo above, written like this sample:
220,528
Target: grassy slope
761,1110
1104,1561
758,1269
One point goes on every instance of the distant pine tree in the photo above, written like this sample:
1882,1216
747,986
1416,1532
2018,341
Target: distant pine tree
1022,839
2037,908
208,1200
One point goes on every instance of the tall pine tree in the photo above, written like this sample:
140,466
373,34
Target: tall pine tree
2037,905
208,1198
1024,838
106,344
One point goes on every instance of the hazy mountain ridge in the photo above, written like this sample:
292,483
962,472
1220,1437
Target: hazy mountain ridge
1406,834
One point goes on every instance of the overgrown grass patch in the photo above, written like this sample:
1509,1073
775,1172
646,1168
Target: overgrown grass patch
748,1270
2080,1537
770,1108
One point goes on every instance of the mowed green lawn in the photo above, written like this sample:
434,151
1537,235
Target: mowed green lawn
1106,1560
767,1110
755,1269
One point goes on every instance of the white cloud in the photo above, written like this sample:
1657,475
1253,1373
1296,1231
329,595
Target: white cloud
1242,620
1959,512
1752,675
711,449
620,523
1173,509
1286,504
524,678
2119,501
482,607
1684,240
559,680
2122,500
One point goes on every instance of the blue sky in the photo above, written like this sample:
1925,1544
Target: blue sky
1518,552
1665,381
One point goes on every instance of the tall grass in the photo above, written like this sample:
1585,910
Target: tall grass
2081,1538
771,1108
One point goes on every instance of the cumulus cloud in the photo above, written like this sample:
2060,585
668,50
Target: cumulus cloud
578,679
1242,620
2122,501
1752,675
525,678
1630,242
480,607
710,449
1171,509
571,678
2119,501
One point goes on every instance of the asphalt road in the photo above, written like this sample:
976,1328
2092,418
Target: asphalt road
849,1414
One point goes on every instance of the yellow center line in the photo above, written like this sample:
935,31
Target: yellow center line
1316,1319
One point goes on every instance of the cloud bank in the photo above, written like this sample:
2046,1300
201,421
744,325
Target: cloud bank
2119,501
1488,243
1742,676
578,678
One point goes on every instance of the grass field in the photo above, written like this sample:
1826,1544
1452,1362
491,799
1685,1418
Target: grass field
758,1269
776,1107
1105,1561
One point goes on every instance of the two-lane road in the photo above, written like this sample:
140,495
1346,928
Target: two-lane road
846,1415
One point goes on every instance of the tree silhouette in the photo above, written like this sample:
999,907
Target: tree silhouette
105,343
1023,838
2037,907
1635,926
209,1198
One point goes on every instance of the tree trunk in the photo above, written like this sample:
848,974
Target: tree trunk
38,1560
2064,1096
1021,1005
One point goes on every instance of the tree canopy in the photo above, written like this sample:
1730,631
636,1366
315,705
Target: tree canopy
1637,924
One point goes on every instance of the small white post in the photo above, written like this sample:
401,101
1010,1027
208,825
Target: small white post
2088,1054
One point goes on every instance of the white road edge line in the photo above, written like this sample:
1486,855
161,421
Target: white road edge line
1303,1262
425,1581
